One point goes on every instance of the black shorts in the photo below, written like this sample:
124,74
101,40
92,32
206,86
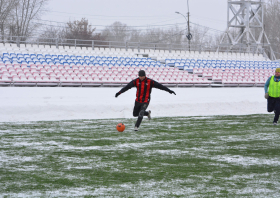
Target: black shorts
273,104
138,107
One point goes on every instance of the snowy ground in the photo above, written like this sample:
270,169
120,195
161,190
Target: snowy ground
214,156
60,103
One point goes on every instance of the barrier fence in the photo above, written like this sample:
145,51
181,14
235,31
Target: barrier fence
92,44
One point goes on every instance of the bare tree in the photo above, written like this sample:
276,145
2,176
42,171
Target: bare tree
174,36
52,34
272,24
117,32
80,30
6,8
135,35
199,35
152,35
25,15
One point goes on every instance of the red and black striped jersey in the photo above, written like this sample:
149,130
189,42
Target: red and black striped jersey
144,89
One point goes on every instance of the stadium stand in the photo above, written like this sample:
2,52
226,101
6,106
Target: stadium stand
44,65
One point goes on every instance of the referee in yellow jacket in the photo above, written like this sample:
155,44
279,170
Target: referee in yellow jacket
272,94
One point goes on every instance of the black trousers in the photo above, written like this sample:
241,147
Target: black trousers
140,111
273,104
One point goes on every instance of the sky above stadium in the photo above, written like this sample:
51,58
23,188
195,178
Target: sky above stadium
140,14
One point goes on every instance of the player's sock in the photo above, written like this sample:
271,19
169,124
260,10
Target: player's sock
149,115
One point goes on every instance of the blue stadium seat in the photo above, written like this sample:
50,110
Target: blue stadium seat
54,56
118,62
169,61
13,55
55,59
146,65
6,59
177,64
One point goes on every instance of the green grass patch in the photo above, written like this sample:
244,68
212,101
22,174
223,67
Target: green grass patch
217,156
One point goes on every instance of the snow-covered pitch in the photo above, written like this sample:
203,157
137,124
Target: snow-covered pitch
60,103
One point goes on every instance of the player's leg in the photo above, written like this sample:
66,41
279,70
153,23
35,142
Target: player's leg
277,111
142,113
270,104
136,109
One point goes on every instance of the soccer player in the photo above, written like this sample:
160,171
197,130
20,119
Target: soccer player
272,94
144,87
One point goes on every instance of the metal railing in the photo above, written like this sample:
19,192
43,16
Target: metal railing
92,44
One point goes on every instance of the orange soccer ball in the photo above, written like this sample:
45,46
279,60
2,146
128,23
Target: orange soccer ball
120,127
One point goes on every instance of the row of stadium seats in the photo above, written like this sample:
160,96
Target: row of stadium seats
111,81
53,68
103,74
160,55
226,62
61,68
37,57
185,64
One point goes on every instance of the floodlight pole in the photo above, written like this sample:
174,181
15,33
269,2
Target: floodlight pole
188,26
189,31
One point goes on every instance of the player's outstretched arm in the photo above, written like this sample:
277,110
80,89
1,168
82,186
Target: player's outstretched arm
124,89
162,87
172,92
266,88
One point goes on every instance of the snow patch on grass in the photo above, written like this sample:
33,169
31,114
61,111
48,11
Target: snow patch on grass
246,161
